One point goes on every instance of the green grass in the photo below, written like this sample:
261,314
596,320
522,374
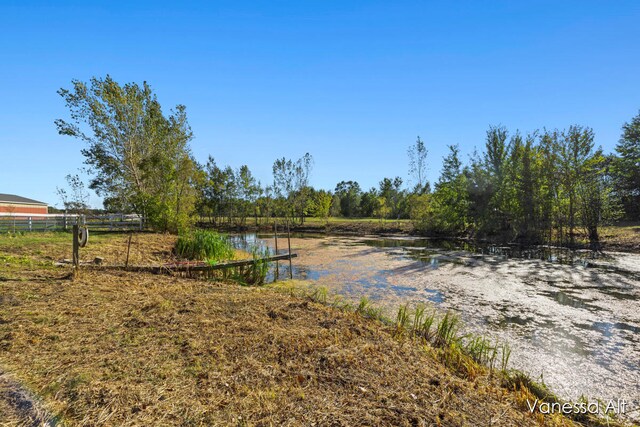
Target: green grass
17,240
10,242
204,245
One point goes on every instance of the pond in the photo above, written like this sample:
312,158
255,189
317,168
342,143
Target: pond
572,322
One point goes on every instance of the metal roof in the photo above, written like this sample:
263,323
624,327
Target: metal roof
12,198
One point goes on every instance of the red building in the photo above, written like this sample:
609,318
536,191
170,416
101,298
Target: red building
12,204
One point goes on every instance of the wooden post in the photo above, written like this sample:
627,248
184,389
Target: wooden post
289,242
76,247
275,233
126,263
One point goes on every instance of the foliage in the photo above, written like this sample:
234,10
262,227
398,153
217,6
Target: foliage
420,211
140,157
394,197
349,194
291,186
449,204
626,168
321,204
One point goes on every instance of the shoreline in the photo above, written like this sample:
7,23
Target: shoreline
616,238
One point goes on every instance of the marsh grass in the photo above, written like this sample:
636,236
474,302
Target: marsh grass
366,309
204,245
256,272
402,319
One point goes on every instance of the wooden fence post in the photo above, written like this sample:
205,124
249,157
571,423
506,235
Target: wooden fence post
76,247
289,242
126,264
275,233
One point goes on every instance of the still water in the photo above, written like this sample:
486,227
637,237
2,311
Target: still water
572,321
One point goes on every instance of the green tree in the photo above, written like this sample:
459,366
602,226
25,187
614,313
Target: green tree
321,204
248,190
218,192
140,157
349,193
291,185
597,203
575,150
336,210
390,190
369,202
496,161
420,211
450,200
626,168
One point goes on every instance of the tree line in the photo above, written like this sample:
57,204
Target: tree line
540,187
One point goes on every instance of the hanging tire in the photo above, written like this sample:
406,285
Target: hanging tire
83,236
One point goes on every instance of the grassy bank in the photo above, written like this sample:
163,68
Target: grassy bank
135,349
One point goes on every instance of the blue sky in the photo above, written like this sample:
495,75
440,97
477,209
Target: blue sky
351,82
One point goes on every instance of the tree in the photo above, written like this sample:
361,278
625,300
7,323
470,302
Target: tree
626,168
596,200
321,204
335,210
449,203
140,157
418,166
420,211
76,200
390,190
575,150
218,192
496,159
291,185
368,203
248,190
349,194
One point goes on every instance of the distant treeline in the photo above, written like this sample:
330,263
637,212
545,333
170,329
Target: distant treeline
536,188
541,187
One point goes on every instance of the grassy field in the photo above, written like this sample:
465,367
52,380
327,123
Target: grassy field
120,348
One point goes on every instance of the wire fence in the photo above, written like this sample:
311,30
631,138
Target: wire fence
17,222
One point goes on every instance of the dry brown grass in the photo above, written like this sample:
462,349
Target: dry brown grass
622,237
137,349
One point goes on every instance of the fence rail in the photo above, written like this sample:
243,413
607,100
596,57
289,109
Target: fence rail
17,222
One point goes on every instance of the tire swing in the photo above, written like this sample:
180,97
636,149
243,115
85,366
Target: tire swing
83,236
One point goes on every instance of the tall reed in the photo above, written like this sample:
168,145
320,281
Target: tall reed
204,245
